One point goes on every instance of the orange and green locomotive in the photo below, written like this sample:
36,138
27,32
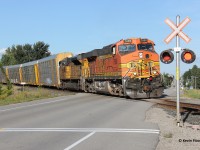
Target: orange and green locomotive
127,68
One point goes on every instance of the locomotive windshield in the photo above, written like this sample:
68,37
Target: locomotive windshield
125,49
148,47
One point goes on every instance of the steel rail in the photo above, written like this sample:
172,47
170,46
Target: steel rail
170,102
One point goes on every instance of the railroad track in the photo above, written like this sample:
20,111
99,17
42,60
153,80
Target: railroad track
171,103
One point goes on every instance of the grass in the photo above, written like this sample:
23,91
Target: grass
5,91
168,135
18,95
192,94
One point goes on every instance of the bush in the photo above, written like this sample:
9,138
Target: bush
1,89
192,93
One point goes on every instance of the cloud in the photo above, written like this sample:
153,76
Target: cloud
2,51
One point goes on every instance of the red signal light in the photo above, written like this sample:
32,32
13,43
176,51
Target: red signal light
166,57
188,56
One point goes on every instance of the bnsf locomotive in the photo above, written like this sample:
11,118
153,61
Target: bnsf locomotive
128,68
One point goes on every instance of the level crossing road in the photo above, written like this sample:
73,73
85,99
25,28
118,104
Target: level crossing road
79,122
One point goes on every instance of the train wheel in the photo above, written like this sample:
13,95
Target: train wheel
148,94
121,91
91,88
87,86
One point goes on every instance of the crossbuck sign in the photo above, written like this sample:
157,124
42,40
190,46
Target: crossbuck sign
177,30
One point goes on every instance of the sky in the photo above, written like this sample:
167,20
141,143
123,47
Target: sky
82,25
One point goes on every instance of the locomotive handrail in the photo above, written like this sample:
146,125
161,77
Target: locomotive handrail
128,72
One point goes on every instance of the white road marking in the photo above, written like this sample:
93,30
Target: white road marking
99,130
91,131
79,141
49,102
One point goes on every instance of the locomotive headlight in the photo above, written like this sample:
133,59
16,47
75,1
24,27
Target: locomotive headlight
134,73
140,55
154,72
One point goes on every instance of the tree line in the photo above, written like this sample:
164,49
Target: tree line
18,54
167,79
191,78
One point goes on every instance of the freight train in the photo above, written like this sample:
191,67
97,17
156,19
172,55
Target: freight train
127,68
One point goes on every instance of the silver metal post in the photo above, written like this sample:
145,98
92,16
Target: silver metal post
178,74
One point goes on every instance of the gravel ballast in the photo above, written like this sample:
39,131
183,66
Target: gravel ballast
171,136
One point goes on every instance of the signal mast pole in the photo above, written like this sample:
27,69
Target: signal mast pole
177,31
178,73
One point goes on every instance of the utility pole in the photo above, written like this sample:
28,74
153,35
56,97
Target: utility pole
195,81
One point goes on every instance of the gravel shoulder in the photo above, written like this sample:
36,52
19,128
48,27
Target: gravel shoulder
171,136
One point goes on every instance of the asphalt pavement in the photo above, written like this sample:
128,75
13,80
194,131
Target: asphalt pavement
78,122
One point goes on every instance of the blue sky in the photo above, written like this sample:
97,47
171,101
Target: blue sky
82,25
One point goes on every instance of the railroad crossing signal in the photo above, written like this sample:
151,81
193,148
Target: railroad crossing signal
177,30
167,56
187,56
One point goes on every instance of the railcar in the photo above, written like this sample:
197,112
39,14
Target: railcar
13,73
3,75
127,68
48,69
28,72
44,72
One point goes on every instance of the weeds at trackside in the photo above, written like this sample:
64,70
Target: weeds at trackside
192,93
18,95
168,135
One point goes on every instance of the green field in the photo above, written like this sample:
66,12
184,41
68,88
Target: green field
192,94
20,94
